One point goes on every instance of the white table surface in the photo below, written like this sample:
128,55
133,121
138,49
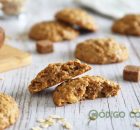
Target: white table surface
33,107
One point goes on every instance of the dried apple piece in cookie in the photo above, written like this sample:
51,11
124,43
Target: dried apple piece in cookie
57,73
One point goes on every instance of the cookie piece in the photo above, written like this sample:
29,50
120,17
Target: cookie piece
56,73
2,37
44,46
53,31
101,51
128,25
78,17
131,73
9,111
88,87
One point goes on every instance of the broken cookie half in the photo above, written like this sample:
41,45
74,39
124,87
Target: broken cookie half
87,87
57,73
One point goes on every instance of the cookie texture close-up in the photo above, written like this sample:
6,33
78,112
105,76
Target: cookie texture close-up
101,51
128,25
56,73
87,87
52,30
78,17
9,111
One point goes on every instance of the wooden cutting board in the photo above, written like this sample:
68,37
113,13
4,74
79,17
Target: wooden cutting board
12,58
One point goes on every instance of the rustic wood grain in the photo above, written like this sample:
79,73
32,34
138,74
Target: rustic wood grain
13,58
38,106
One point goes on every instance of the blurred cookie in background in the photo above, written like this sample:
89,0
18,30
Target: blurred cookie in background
78,17
101,51
53,31
128,25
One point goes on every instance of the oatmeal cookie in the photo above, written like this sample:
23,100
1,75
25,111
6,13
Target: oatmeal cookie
87,87
78,17
53,31
56,73
101,51
128,25
9,111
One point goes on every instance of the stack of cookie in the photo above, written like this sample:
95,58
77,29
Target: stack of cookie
72,90
64,27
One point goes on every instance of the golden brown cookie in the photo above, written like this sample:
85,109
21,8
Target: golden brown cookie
128,25
78,17
56,73
53,31
9,111
88,87
101,51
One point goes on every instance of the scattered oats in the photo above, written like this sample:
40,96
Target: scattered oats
61,120
136,110
67,125
44,125
50,121
93,118
137,124
36,128
1,78
54,116
41,120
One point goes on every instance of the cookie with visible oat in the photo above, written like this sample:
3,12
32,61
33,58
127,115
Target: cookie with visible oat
57,73
53,31
128,25
9,111
101,51
78,17
87,87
